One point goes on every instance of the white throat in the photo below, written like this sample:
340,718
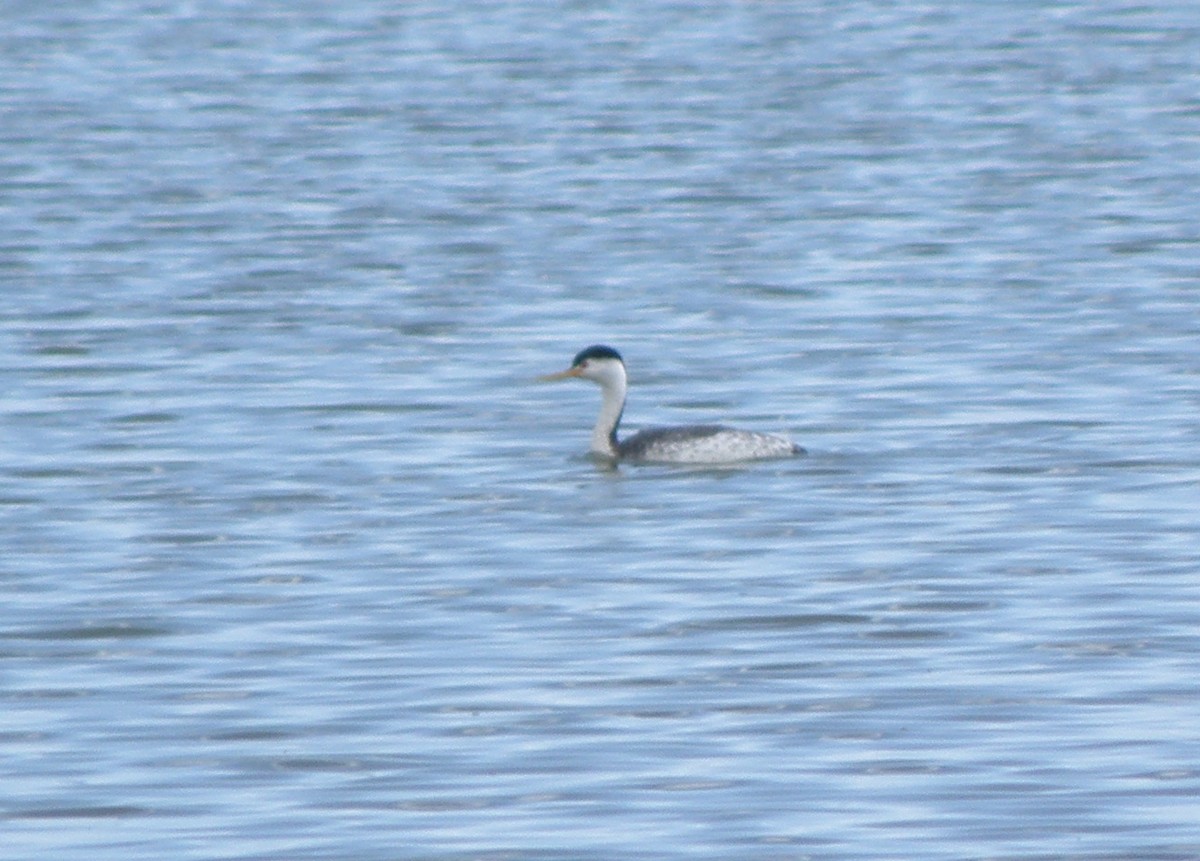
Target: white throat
610,376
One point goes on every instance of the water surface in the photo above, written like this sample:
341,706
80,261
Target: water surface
299,562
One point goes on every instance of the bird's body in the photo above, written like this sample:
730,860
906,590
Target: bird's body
703,444
695,444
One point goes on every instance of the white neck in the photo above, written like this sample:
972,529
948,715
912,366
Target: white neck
612,404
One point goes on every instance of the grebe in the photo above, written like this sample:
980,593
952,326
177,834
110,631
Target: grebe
689,444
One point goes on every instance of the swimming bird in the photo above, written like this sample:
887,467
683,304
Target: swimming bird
696,444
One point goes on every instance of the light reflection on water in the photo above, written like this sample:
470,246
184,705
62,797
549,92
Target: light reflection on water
298,560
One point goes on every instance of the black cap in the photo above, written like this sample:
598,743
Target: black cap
596,351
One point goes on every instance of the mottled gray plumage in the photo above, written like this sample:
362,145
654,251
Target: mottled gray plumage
703,444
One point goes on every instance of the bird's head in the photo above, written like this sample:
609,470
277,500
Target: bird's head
598,363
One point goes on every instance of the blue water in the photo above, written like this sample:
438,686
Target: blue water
299,562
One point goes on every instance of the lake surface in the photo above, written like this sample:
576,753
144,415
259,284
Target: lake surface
299,562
